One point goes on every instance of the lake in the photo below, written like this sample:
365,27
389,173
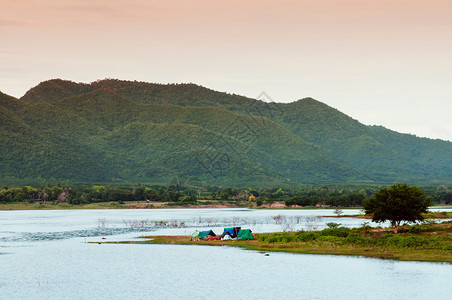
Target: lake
46,255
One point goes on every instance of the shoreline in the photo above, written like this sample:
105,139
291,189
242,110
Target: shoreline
164,205
149,205
436,248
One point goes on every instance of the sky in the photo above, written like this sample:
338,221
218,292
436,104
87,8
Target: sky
386,62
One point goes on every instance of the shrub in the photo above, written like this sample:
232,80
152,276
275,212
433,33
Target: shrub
414,229
393,241
333,225
339,232
306,236
277,238
412,241
355,238
407,242
273,239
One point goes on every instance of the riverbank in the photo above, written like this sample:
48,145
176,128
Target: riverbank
112,205
146,205
428,215
428,242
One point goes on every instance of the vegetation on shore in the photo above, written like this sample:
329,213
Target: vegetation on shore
427,242
427,215
187,195
399,203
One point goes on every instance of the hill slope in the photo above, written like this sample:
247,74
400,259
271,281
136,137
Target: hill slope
155,142
113,130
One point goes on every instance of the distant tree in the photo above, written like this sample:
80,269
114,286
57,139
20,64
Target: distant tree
254,192
224,194
12,195
151,194
53,192
118,194
447,198
278,194
171,194
354,199
97,193
140,193
30,193
190,195
400,202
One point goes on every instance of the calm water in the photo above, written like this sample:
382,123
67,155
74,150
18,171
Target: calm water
44,255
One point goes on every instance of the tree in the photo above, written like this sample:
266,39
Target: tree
400,202
224,194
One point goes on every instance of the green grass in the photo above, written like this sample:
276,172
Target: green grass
428,215
429,242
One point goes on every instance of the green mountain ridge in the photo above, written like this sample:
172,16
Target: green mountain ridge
128,131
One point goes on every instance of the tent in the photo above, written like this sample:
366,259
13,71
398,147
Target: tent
202,234
245,234
226,237
208,232
195,234
231,231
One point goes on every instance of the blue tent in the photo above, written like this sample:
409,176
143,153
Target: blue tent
231,231
208,232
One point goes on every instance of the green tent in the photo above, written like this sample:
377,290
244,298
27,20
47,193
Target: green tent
201,234
196,233
245,234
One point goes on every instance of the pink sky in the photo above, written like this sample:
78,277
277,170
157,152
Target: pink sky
381,62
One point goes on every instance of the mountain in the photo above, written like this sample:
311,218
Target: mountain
128,131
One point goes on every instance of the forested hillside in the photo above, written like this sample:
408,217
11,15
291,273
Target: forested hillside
128,131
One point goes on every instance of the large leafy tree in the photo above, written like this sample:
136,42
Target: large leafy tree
400,202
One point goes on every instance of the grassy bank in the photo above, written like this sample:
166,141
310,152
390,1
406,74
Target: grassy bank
428,215
52,205
57,205
429,242
117,205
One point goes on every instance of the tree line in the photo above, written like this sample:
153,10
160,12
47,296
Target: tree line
292,196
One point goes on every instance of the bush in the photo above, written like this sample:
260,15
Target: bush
406,242
333,225
306,236
355,238
339,232
412,241
414,229
393,241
